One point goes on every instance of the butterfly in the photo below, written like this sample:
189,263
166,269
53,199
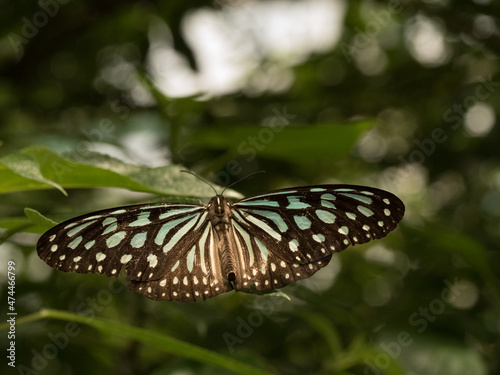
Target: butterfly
185,252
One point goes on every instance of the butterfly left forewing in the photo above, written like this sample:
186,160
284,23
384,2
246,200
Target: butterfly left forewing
107,240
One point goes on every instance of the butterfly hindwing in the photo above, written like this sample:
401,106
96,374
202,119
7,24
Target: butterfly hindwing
195,274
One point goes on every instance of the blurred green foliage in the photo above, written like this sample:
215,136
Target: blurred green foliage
86,125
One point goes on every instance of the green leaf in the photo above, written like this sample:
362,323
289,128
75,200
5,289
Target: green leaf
34,222
152,339
24,224
38,167
300,144
278,294
269,293
22,170
14,222
13,229
38,219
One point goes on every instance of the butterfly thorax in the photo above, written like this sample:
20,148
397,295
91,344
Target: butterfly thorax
220,218
219,212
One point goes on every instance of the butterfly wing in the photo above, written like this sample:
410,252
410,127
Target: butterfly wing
290,234
168,249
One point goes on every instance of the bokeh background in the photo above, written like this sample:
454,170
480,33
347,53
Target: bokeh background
401,95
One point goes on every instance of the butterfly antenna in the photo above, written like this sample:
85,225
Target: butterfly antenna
202,179
241,179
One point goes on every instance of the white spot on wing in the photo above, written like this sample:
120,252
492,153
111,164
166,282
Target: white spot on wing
318,237
175,266
328,204
351,215
296,204
202,244
162,233
365,211
260,202
325,216
328,196
79,228
294,245
139,239
73,244
248,243
110,228
153,260
142,219
179,234
344,230
275,217
261,224
190,259
125,258
262,248
302,222
115,239
89,244
358,197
